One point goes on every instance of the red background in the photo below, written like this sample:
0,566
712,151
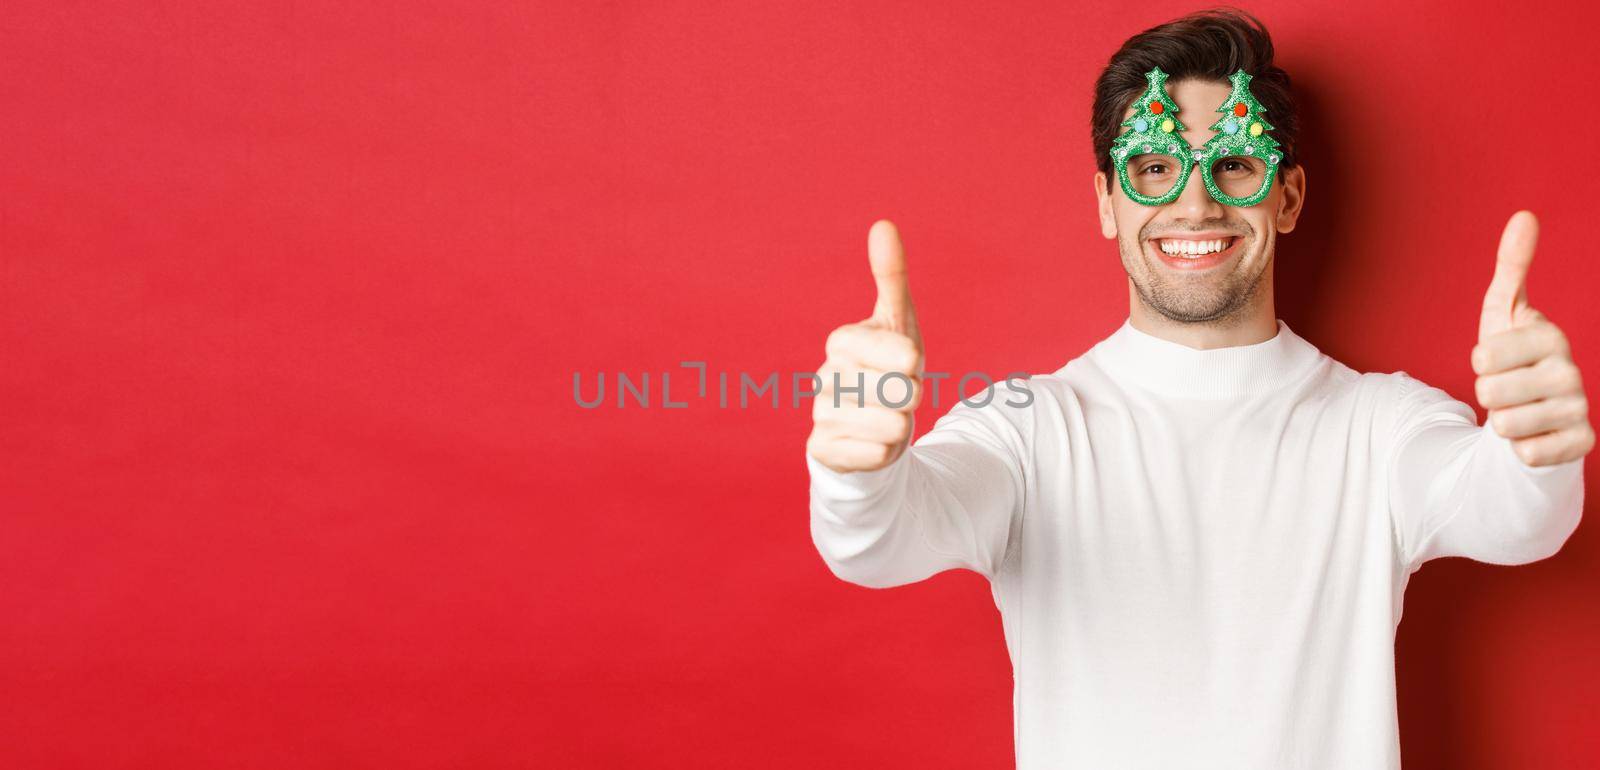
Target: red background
292,295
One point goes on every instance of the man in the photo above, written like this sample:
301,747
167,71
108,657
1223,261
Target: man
1198,532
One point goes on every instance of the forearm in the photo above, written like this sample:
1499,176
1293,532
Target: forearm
947,502
1488,504
862,529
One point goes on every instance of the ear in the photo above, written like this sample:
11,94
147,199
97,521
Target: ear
1102,191
1293,181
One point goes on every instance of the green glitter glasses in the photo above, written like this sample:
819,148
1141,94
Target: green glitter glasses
1238,163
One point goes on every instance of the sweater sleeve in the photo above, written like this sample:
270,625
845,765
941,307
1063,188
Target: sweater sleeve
1459,489
953,499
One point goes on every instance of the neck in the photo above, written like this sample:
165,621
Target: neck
1256,321
1135,358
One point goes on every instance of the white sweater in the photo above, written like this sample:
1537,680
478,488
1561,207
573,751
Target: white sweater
1198,555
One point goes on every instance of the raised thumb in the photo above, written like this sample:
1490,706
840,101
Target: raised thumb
888,259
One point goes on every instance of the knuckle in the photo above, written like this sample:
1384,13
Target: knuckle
1568,377
1501,422
911,399
840,339
894,389
1555,338
875,455
1482,358
910,356
1485,391
900,354
902,422
895,424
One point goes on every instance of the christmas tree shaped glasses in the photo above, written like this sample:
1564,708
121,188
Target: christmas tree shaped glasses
1238,163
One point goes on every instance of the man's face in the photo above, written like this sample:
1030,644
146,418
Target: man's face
1168,251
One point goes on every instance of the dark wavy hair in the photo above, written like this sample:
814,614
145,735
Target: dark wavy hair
1211,45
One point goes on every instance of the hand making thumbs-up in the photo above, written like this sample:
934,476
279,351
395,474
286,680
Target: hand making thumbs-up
1527,380
872,379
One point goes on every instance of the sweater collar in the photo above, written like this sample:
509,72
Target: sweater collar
1176,369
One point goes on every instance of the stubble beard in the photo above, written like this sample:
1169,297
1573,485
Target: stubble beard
1195,299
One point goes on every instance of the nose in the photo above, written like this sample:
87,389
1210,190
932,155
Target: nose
1195,202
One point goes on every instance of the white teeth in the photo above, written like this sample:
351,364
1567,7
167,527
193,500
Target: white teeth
1192,248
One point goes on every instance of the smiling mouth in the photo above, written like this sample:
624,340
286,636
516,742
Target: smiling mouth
1195,253
1194,249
